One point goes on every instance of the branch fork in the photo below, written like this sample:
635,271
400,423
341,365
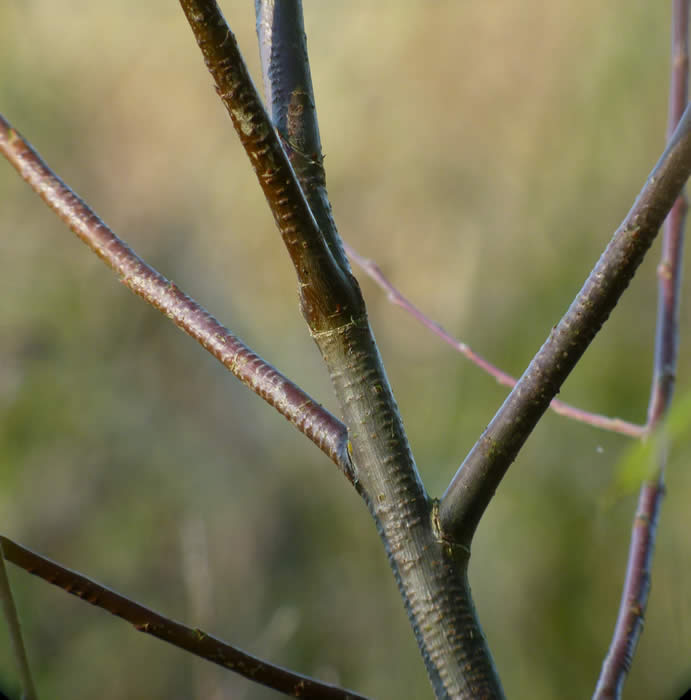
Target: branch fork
427,541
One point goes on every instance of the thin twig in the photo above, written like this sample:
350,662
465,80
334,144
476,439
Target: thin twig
309,417
195,641
669,270
479,476
634,598
12,618
374,272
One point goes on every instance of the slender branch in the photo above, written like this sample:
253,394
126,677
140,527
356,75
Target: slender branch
290,101
479,476
195,641
634,598
310,418
329,295
669,270
614,425
12,618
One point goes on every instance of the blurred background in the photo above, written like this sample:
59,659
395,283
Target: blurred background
482,154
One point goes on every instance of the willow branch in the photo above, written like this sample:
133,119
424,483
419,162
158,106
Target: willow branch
394,295
479,476
310,418
12,618
193,640
634,598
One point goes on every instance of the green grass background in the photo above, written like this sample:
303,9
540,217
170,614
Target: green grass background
483,154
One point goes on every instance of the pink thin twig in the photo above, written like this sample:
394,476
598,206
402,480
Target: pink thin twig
373,271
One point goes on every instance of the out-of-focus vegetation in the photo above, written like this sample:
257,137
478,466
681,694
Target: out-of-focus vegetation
482,153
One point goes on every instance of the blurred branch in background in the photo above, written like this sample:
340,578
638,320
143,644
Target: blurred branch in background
13,625
634,598
193,640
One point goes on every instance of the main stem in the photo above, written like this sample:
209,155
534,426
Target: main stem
431,575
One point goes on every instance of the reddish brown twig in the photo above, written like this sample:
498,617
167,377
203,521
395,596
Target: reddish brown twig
193,640
634,597
308,416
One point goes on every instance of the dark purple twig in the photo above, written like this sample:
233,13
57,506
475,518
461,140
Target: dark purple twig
634,599
374,272
669,270
479,476
192,640
309,417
